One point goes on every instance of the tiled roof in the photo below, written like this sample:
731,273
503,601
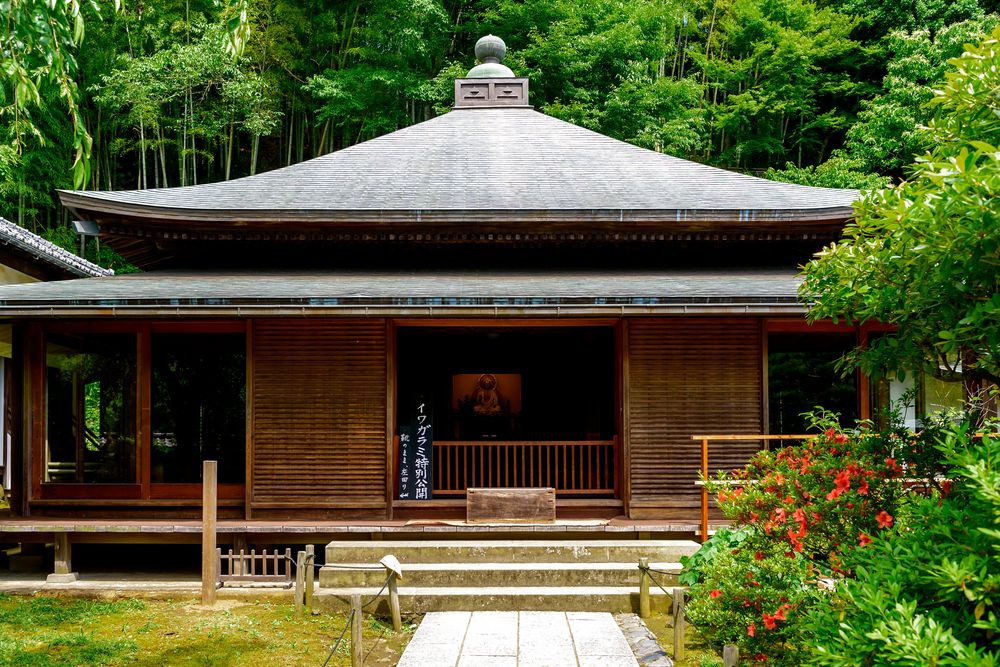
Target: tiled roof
45,251
302,293
500,160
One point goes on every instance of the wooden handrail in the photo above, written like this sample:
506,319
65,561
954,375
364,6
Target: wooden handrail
766,439
583,467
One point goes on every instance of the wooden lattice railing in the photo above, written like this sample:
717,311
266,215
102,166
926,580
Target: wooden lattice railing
582,467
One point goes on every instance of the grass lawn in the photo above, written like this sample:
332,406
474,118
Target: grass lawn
42,631
696,653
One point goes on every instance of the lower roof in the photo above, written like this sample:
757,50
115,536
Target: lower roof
412,293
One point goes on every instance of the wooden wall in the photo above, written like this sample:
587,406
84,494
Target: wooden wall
687,376
318,424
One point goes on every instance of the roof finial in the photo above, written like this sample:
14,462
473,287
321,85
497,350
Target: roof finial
490,50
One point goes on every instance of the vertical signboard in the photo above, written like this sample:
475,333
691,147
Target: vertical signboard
416,454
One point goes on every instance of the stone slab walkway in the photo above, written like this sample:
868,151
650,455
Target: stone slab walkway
518,639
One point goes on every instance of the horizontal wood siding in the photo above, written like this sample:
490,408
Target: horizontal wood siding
688,376
319,406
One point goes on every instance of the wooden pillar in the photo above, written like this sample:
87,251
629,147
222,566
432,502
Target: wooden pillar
397,618
643,588
63,570
678,624
357,650
310,578
209,501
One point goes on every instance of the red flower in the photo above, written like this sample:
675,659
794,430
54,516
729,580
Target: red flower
829,432
758,556
864,540
780,614
769,622
715,593
840,438
945,487
884,519
863,488
760,657
892,465
751,629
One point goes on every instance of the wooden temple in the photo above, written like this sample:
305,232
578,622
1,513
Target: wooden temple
490,298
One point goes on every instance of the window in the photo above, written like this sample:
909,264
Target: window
198,406
802,374
90,408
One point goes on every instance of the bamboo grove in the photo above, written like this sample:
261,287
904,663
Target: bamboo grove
825,93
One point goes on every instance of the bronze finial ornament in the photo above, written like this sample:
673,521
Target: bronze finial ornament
490,50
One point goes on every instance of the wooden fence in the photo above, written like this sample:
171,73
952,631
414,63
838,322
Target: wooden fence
583,467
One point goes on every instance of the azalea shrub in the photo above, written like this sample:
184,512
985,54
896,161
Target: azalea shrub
801,511
928,591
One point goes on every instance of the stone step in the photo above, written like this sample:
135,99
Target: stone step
424,575
511,551
614,599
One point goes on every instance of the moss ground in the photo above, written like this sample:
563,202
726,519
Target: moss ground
43,631
696,654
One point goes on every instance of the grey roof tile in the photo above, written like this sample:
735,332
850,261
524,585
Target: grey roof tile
385,288
506,159
14,235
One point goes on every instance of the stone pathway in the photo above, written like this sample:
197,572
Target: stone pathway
518,639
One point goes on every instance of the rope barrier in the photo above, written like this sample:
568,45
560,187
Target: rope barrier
372,568
350,617
648,570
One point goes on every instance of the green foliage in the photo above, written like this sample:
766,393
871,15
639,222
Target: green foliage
926,593
886,137
697,564
752,596
924,255
839,171
66,238
800,514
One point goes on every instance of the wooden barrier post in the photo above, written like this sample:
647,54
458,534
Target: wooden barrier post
704,490
678,624
209,508
310,577
730,655
397,619
643,588
357,651
300,582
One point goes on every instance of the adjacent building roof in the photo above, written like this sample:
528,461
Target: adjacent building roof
412,293
51,261
498,161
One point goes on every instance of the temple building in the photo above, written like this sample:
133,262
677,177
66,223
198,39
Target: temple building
490,298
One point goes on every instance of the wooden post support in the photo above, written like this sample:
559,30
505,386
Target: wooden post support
643,588
310,577
678,624
62,573
300,582
209,509
704,491
397,619
730,655
357,650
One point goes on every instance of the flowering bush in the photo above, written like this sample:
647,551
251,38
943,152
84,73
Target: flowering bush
801,511
928,592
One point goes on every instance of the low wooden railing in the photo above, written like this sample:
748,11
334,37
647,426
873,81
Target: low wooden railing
582,467
765,441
